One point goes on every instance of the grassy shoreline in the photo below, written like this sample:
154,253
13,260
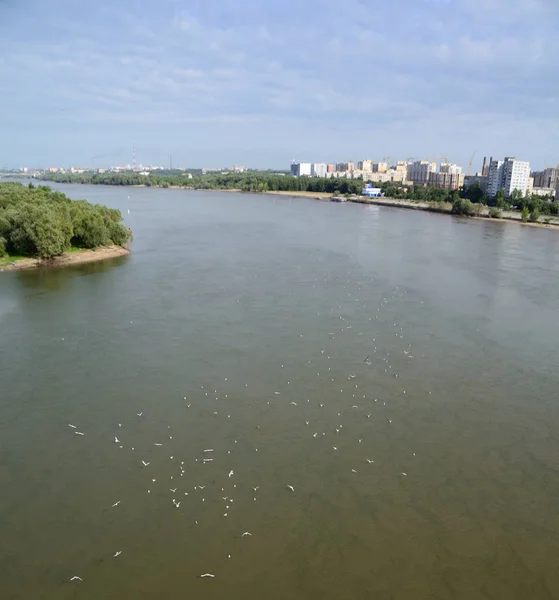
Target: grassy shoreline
75,256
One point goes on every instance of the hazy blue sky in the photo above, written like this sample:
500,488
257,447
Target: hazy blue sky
261,82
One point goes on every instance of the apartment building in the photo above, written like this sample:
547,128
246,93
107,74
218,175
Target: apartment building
319,169
365,165
418,172
446,180
301,169
508,175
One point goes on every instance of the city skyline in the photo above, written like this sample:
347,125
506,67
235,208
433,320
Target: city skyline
264,83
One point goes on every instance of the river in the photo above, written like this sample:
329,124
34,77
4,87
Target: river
396,368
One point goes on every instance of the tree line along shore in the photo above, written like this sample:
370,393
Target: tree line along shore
469,202
45,225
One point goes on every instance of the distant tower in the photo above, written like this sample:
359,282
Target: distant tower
133,157
483,169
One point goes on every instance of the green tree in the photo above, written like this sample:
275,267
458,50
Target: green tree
525,214
535,215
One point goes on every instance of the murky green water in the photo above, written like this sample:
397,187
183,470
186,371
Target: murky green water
261,312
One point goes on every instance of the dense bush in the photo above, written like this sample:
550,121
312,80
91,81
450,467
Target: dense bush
45,223
495,213
462,206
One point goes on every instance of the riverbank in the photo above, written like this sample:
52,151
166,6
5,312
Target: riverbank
77,257
441,208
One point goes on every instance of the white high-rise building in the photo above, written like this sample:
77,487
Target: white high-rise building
508,175
494,177
301,169
319,169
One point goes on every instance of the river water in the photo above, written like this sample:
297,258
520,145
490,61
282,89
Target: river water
396,368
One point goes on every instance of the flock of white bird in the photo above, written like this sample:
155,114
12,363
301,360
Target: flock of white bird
206,455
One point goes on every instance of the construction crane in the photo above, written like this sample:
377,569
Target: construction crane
471,161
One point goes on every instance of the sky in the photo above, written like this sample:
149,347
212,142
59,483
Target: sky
264,82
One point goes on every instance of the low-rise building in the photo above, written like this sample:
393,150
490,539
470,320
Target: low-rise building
543,191
478,178
447,181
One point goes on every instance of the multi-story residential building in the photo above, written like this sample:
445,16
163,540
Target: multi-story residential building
546,178
418,171
450,168
446,180
380,167
301,169
495,177
330,168
318,169
557,191
365,165
508,175
341,167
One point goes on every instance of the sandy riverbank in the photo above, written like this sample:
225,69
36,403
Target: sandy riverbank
74,258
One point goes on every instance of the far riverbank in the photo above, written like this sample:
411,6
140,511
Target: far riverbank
73,258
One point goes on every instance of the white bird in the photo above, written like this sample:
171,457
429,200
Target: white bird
207,575
116,504
172,490
334,447
117,553
291,487
246,533
353,471
256,488
201,487
76,577
209,450
78,433
294,403
140,414
72,426
277,393
145,463
405,474
158,444
231,473
117,441
120,424
369,461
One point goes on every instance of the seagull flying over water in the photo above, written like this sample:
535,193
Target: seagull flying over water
291,487
76,577
246,533
116,504
231,473
117,441
140,414
145,463
78,433
117,553
72,426
207,575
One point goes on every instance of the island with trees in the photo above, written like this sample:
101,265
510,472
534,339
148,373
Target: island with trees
41,226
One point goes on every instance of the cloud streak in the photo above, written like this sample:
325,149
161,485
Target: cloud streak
285,79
